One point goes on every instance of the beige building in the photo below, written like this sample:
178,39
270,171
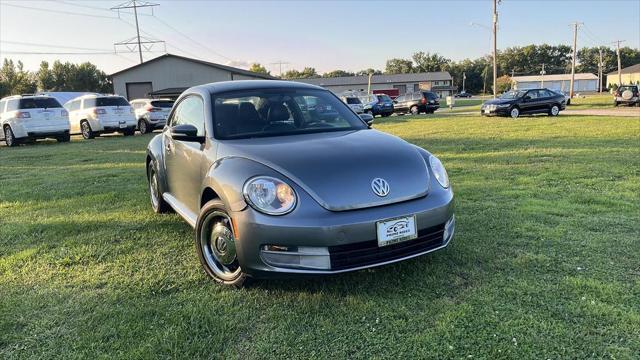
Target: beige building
630,75
169,75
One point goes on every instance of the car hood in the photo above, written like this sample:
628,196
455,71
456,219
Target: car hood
499,101
337,168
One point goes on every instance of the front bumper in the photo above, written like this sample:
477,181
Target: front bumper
494,111
347,238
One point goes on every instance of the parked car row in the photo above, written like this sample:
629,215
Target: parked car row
383,105
29,117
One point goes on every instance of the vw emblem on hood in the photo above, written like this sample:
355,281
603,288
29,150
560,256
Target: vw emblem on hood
380,187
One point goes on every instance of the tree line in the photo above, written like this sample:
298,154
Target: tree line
517,60
14,79
478,73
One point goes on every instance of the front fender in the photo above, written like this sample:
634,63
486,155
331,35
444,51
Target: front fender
227,177
155,153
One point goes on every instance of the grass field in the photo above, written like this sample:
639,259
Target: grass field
592,102
545,263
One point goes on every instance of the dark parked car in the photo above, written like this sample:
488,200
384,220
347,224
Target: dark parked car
627,94
533,101
274,183
463,94
418,102
381,105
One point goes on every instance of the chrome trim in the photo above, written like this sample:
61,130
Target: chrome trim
182,210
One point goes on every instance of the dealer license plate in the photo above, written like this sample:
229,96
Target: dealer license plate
123,125
396,230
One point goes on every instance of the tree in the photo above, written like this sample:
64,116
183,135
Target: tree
503,83
337,73
427,62
44,77
15,80
306,73
257,68
398,66
368,71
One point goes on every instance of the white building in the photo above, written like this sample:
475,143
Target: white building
169,75
584,82
400,84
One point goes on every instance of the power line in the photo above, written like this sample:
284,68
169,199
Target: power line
50,45
56,53
58,11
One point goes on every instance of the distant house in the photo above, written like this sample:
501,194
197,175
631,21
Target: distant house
583,82
438,82
169,75
630,75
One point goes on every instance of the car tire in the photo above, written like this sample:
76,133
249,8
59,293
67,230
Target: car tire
554,111
64,138
143,126
9,138
414,110
215,245
615,103
85,129
514,112
158,204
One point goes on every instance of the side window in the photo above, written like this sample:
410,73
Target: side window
2,103
12,105
190,111
400,99
74,105
533,94
88,103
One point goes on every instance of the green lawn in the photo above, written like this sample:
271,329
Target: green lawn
545,263
592,102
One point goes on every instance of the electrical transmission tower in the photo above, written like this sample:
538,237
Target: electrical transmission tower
137,41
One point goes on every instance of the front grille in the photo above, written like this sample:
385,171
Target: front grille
369,253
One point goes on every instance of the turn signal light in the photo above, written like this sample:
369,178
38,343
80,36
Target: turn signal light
99,111
23,115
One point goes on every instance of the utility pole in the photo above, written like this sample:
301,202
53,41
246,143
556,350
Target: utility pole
600,64
573,61
542,76
617,42
495,48
279,63
135,4
369,84
464,78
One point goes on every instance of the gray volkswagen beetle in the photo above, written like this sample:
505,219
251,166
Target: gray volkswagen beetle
281,177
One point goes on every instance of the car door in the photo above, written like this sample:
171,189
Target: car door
183,160
529,102
400,104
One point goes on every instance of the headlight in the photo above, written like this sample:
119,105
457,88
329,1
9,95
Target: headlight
269,195
503,105
439,172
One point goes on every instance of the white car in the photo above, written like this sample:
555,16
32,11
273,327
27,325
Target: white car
151,113
93,115
354,103
24,117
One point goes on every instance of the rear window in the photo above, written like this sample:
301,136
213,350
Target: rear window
111,101
353,100
39,103
162,104
430,95
384,98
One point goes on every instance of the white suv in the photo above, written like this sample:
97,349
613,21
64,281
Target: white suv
92,115
27,117
354,103
151,113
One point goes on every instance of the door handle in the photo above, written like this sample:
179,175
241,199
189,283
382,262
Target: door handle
169,145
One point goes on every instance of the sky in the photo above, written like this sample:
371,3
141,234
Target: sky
327,35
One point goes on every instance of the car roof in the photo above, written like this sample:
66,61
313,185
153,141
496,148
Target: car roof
12,97
239,85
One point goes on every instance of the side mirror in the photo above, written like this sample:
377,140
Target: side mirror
368,118
185,132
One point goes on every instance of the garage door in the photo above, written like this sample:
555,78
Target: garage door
138,90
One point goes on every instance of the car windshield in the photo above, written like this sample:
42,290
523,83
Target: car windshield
111,101
162,104
39,103
513,94
430,95
384,98
277,112
353,100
